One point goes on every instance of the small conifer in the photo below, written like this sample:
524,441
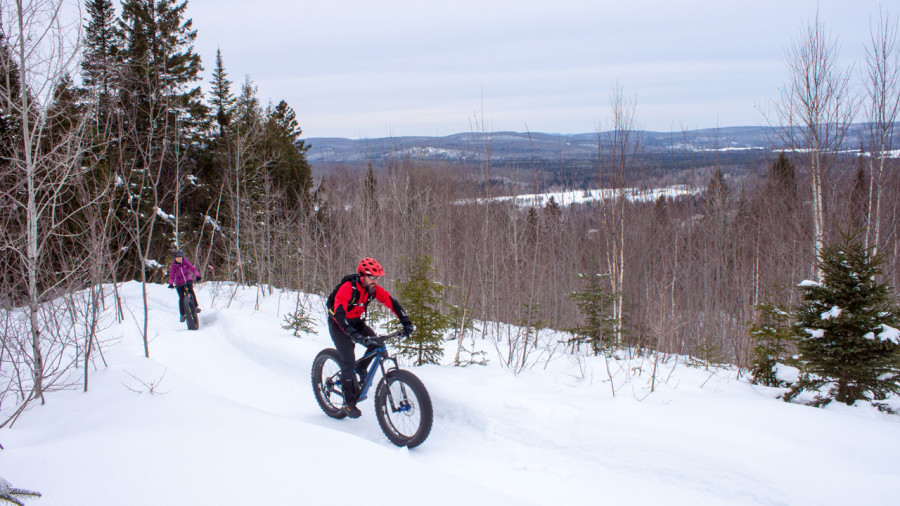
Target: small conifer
771,335
595,303
847,330
421,297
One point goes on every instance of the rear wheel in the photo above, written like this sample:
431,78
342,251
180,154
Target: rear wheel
404,408
326,383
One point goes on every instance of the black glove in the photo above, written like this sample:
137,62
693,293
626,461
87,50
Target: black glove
408,329
199,278
358,338
170,286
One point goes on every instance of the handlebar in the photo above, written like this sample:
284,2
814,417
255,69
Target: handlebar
380,340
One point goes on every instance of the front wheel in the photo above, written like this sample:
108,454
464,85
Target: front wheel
190,312
403,408
326,383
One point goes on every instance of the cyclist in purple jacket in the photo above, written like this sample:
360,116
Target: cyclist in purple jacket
180,273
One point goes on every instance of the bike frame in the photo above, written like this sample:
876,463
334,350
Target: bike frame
379,356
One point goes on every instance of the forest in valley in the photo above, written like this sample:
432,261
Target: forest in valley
113,152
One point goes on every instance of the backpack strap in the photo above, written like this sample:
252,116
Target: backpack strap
354,296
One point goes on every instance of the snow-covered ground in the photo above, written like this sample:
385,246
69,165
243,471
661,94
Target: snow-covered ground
226,416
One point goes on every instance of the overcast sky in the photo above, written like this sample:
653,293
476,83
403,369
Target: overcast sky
371,68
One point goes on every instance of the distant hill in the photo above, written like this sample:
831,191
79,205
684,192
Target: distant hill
517,146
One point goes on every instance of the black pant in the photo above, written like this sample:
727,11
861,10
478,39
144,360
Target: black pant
345,348
180,290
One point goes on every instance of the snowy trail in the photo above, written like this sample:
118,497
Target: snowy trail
233,420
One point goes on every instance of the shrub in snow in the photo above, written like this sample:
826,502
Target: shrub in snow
299,321
846,327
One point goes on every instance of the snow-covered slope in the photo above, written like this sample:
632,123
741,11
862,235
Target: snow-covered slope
226,415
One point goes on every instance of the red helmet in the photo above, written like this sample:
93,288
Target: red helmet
370,267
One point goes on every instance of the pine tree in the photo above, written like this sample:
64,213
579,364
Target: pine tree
595,304
421,297
783,178
371,194
859,197
291,172
553,210
10,90
771,335
102,41
221,98
532,227
159,48
246,146
160,74
717,191
846,326
164,120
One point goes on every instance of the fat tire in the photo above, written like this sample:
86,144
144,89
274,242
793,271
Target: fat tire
190,312
321,372
406,428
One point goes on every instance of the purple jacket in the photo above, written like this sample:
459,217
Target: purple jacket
181,273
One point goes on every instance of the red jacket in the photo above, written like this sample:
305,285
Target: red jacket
346,313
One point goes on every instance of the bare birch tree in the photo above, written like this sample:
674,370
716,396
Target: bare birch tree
43,45
882,105
815,111
621,149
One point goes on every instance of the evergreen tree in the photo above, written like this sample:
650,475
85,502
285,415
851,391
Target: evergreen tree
221,98
421,298
246,151
717,192
771,336
160,74
164,120
102,40
288,166
65,111
159,48
660,210
782,177
846,328
595,303
552,210
371,187
10,91
11,143
859,197
532,227
100,69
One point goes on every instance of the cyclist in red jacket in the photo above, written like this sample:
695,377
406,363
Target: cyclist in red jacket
347,307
